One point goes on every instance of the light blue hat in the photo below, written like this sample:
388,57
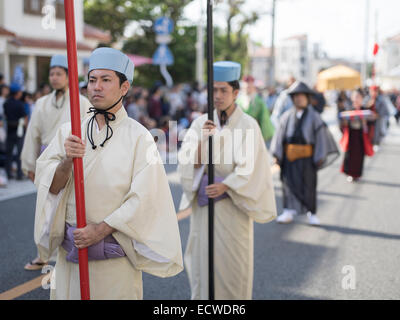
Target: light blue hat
112,59
59,60
226,71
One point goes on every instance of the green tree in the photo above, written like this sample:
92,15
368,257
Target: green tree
231,44
117,14
223,52
184,51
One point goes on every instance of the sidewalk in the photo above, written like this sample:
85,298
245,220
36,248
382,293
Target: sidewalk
15,189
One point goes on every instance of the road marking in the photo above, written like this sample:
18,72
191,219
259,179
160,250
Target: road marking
23,288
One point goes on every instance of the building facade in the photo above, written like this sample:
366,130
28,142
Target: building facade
388,63
292,59
31,31
260,63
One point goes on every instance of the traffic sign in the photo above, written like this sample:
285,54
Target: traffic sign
163,38
163,56
163,26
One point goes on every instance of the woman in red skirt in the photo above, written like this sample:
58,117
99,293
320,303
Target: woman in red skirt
355,140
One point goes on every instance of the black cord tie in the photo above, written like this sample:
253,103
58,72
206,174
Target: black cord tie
55,99
108,116
224,117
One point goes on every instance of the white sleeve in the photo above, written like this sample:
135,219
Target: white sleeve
198,174
50,208
148,253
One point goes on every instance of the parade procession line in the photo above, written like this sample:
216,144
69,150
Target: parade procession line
17,189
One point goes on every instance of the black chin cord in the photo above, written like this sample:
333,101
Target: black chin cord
55,98
108,116
224,116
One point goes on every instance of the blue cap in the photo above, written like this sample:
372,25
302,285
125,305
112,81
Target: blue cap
226,71
15,87
112,59
59,60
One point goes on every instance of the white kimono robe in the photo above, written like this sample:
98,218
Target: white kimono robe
45,121
251,198
126,186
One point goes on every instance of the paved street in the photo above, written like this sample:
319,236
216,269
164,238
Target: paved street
354,254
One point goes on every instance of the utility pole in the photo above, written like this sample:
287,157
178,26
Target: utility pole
366,38
272,57
376,46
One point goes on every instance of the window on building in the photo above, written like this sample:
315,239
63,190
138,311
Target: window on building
60,13
35,7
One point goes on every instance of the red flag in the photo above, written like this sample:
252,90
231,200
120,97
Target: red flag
376,48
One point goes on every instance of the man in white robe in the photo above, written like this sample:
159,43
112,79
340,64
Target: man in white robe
243,191
50,112
127,195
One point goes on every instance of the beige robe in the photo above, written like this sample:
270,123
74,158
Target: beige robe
126,186
245,166
46,119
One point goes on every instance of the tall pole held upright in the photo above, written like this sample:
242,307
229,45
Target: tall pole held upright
210,85
76,130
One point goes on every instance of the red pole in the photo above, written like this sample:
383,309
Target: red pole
76,131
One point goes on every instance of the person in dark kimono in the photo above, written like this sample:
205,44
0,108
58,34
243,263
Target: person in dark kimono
301,146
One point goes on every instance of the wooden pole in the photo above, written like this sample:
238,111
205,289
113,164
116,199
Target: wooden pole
76,131
210,85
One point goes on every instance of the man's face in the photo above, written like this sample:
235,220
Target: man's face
373,93
300,100
58,78
5,92
104,88
18,95
224,95
251,88
141,102
357,100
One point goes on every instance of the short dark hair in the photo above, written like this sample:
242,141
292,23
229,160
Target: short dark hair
360,91
234,84
122,78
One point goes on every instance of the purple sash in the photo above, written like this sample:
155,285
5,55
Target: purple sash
202,198
108,248
42,148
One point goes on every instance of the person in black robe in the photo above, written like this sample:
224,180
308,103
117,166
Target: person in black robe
301,146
